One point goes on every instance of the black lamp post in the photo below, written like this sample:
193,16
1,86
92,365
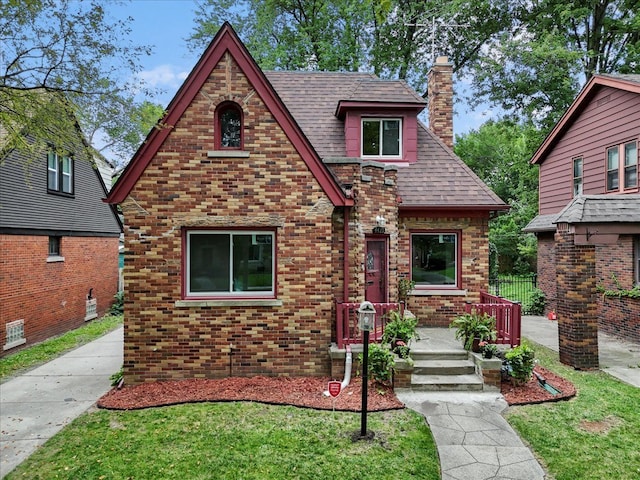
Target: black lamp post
366,321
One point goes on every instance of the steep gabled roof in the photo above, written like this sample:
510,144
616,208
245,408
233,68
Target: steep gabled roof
629,83
439,179
226,40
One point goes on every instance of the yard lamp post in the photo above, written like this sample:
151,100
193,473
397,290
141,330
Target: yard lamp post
366,321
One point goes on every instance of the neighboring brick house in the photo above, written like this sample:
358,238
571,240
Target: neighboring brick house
266,201
58,243
590,197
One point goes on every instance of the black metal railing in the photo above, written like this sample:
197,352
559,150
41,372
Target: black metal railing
516,288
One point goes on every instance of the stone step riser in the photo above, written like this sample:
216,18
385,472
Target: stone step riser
444,370
427,356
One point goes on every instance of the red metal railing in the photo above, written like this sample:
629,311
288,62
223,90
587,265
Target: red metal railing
508,316
347,331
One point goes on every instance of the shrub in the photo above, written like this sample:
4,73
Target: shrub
380,363
520,362
118,304
535,305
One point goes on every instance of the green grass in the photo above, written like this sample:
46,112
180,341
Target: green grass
235,441
49,349
562,433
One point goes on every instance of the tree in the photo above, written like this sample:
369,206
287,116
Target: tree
535,68
499,153
292,34
59,55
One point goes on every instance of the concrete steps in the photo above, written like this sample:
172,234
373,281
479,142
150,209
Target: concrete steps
444,370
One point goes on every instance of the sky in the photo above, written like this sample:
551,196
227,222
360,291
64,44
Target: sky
165,26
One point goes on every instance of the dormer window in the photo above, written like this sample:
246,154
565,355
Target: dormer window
229,131
382,137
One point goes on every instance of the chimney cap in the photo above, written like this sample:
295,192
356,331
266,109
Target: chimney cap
443,59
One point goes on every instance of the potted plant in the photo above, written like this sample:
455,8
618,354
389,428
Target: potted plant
488,349
399,331
473,328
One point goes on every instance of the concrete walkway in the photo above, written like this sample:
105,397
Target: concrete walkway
39,403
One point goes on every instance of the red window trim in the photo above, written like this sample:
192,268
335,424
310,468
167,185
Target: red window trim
458,233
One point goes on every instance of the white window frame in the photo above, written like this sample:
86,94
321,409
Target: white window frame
621,166
381,136
578,181
231,293
61,174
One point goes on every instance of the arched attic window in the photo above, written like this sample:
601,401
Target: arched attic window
229,122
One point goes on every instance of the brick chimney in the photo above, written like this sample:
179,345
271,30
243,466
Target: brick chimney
440,96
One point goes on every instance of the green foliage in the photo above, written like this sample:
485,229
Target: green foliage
619,291
536,303
117,308
380,363
57,54
520,362
499,153
116,377
400,327
474,325
405,286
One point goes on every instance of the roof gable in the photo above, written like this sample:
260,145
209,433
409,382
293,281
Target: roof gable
629,83
226,40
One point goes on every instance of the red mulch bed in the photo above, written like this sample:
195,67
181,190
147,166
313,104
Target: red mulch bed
300,392
297,391
531,392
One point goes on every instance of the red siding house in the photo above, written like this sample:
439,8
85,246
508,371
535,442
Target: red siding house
58,244
589,190
268,202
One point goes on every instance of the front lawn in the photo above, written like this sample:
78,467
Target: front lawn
237,440
596,435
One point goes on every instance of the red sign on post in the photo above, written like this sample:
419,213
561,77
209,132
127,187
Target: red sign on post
334,388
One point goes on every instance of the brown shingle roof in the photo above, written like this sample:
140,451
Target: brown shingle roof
437,179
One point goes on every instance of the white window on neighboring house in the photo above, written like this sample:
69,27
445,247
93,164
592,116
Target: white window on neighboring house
577,176
622,167
15,334
59,173
382,137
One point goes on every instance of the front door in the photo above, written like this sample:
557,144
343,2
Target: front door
375,272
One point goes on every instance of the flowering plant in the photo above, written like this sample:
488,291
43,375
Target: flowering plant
488,349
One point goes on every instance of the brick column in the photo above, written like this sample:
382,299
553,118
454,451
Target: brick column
440,93
577,302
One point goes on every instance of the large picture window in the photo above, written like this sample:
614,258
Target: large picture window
59,173
434,259
231,264
381,137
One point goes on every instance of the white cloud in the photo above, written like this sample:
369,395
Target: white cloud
163,76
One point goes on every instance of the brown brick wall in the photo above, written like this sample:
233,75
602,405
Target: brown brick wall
184,188
435,310
547,278
577,304
51,297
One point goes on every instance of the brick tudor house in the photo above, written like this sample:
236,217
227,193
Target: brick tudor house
58,245
266,200
588,227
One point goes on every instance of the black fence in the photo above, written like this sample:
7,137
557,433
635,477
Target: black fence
517,288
